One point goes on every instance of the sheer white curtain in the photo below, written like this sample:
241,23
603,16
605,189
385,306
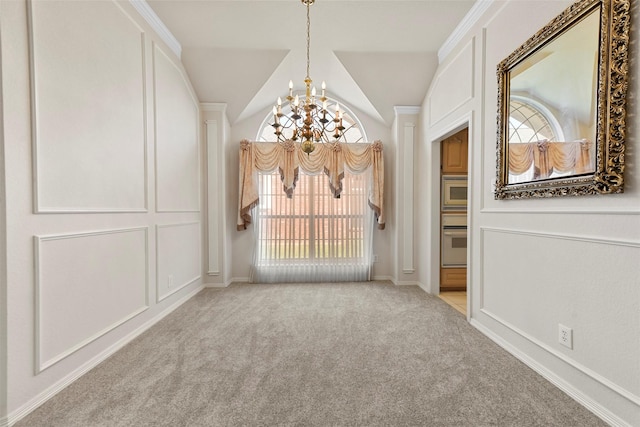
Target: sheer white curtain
313,236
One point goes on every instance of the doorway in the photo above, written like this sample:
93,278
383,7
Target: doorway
454,156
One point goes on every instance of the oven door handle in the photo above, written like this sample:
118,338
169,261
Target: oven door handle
455,233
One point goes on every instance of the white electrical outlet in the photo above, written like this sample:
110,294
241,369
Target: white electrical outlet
565,336
170,281
375,258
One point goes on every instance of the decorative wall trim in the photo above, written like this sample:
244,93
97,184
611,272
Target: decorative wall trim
470,19
214,184
158,26
572,211
188,282
556,380
562,236
196,124
483,116
239,280
558,236
63,383
407,197
41,365
435,84
37,208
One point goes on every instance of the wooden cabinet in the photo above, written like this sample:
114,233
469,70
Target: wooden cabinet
453,279
455,153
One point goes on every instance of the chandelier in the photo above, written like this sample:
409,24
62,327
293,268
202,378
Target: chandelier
308,121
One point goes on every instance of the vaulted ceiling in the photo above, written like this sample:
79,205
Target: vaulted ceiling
373,54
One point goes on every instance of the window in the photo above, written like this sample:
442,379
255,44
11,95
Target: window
530,121
313,236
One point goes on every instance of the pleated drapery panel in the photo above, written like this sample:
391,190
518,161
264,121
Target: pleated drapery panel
328,158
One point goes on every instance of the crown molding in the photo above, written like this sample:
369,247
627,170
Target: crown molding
474,14
157,25
406,109
213,106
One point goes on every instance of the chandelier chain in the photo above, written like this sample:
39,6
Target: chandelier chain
308,36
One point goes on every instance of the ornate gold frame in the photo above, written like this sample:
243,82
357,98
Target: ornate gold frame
611,104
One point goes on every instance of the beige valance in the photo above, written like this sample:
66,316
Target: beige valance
330,158
550,156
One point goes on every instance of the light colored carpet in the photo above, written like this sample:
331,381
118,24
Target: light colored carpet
312,354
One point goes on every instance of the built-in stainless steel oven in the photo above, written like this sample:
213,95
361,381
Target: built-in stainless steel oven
454,240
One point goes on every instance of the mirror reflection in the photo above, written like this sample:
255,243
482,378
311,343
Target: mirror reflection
553,106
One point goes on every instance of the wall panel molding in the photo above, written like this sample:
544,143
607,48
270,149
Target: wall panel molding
214,184
174,260
177,149
463,75
569,210
112,176
561,236
62,268
408,198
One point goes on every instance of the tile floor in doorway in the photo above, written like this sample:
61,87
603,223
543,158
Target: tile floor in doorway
456,299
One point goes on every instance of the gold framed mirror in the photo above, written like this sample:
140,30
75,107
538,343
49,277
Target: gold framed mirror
562,105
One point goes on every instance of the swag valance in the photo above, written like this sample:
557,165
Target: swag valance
330,158
550,156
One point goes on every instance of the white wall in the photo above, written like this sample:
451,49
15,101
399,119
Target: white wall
242,242
538,263
102,172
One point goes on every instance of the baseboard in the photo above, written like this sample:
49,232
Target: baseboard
50,392
383,279
590,404
406,283
239,280
216,285
424,287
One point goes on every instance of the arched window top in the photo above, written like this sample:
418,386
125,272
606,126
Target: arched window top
531,121
354,131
